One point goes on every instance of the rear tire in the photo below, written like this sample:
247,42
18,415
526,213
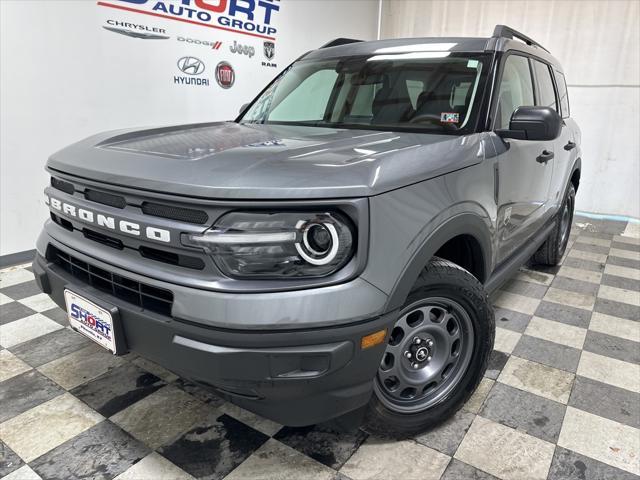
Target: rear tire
437,353
552,250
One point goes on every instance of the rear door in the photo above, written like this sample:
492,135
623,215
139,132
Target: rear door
524,167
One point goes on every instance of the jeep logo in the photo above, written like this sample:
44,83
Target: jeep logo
242,49
106,221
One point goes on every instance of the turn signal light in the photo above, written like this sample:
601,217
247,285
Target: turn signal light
373,339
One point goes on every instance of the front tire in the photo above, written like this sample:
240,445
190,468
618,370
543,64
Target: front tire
437,353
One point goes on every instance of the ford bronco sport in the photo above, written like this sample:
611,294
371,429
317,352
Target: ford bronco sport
332,249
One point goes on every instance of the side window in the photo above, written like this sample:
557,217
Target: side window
308,101
546,93
563,94
516,89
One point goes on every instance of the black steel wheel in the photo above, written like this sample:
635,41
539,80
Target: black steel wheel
437,352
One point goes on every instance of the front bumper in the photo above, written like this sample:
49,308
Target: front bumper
294,377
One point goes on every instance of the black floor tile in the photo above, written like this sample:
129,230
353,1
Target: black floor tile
623,262
102,452
583,264
510,320
613,347
215,447
49,347
548,353
573,285
328,447
621,282
457,470
568,465
117,389
57,315
497,361
9,461
25,391
21,290
12,311
633,247
607,401
524,411
577,317
617,309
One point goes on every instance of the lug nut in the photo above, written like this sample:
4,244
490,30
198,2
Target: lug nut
407,354
417,341
415,365
430,343
429,358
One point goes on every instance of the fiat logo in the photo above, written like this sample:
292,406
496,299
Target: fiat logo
225,75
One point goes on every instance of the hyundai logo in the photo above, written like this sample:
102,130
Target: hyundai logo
191,65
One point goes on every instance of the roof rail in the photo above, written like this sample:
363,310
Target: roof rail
502,31
340,41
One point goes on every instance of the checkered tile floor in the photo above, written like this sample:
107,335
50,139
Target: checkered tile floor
561,398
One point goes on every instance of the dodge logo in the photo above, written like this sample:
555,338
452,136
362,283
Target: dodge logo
191,65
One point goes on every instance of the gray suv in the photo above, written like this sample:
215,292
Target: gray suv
332,249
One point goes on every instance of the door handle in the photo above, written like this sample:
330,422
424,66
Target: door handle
570,145
544,157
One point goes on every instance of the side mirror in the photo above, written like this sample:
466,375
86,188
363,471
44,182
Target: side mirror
243,108
533,123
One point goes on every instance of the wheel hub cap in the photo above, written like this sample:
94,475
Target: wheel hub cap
428,353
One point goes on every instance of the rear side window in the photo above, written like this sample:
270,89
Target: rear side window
516,89
563,94
546,93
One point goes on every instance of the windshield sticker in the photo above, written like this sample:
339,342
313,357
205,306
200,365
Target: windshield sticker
472,64
449,117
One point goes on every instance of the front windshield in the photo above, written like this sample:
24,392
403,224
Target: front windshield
436,92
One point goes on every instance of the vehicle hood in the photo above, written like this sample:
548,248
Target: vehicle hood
227,160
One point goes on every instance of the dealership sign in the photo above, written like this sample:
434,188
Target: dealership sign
248,17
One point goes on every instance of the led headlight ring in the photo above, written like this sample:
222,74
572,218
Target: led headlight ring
308,253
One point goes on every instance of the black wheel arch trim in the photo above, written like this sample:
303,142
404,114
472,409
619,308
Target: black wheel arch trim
461,224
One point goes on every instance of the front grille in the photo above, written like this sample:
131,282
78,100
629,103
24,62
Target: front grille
105,198
145,296
188,215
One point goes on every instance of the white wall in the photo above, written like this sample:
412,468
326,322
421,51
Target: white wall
63,77
598,44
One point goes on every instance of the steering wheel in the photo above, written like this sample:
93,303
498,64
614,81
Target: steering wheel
434,119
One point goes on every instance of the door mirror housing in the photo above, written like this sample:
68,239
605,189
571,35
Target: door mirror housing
533,123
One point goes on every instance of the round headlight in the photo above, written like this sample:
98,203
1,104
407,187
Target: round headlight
320,243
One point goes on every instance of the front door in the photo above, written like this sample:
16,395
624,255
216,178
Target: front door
524,167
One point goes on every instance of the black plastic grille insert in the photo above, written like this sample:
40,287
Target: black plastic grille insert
182,214
145,296
105,198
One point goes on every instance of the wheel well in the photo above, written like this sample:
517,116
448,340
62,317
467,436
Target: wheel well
465,251
575,178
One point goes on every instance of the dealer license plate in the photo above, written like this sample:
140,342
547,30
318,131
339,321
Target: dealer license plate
90,319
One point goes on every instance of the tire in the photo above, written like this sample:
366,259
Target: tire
446,300
552,250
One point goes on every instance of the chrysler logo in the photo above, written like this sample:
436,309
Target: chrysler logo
191,65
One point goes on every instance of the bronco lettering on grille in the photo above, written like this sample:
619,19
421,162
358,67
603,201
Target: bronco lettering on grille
106,221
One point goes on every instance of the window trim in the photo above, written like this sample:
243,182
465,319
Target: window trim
498,73
554,73
553,83
496,91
